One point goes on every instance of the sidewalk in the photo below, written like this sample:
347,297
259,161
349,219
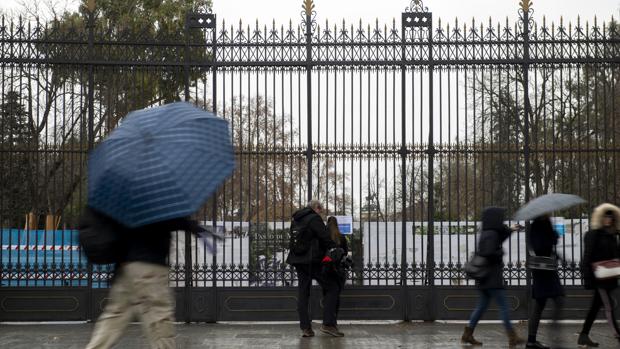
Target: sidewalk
266,336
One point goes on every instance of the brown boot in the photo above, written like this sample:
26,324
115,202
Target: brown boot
332,331
514,339
468,337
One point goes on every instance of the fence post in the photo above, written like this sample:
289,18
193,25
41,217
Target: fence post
307,16
525,12
404,152
212,23
403,172
91,130
188,236
199,21
419,21
431,151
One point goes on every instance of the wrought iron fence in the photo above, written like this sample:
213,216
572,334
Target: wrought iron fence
411,129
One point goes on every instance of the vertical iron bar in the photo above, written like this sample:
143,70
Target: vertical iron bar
430,244
526,132
309,150
186,62
403,175
430,253
91,138
188,235
214,207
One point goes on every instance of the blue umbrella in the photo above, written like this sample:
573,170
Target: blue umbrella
160,163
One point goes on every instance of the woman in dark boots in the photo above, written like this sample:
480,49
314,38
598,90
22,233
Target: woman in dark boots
336,270
601,244
494,233
545,283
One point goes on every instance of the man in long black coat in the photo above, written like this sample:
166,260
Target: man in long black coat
307,261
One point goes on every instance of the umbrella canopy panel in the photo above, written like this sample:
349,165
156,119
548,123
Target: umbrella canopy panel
160,163
546,204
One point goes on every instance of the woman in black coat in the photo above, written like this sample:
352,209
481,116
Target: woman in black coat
545,283
336,270
494,233
601,244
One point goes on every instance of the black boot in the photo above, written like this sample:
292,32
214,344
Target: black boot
536,345
584,340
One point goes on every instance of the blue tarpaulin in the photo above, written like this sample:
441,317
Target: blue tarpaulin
39,254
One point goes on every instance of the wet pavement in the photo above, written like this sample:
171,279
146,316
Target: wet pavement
286,335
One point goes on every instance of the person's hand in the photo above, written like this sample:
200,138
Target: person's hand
516,227
208,236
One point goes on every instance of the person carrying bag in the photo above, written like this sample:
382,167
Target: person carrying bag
546,284
309,243
600,268
487,267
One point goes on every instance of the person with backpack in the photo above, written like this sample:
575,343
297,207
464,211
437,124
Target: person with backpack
141,274
491,285
309,246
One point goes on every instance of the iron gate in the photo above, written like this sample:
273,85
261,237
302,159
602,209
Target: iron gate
410,128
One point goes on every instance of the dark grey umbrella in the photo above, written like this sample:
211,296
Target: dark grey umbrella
546,204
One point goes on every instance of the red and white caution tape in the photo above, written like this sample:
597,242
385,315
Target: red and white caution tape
41,247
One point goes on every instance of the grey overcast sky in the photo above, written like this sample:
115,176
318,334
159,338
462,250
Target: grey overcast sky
384,10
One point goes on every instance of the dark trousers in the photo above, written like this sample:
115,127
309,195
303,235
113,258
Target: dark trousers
331,294
602,297
539,307
340,279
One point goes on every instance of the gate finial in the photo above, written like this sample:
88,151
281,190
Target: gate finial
90,5
526,5
416,6
308,7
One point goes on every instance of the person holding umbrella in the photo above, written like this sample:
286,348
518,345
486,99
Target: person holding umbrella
154,171
545,279
494,233
542,259
140,284
601,245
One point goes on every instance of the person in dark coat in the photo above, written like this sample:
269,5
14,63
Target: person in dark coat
315,242
545,283
140,283
336,270
601,243
493,234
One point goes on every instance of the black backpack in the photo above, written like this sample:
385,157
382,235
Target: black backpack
101,237
298,241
